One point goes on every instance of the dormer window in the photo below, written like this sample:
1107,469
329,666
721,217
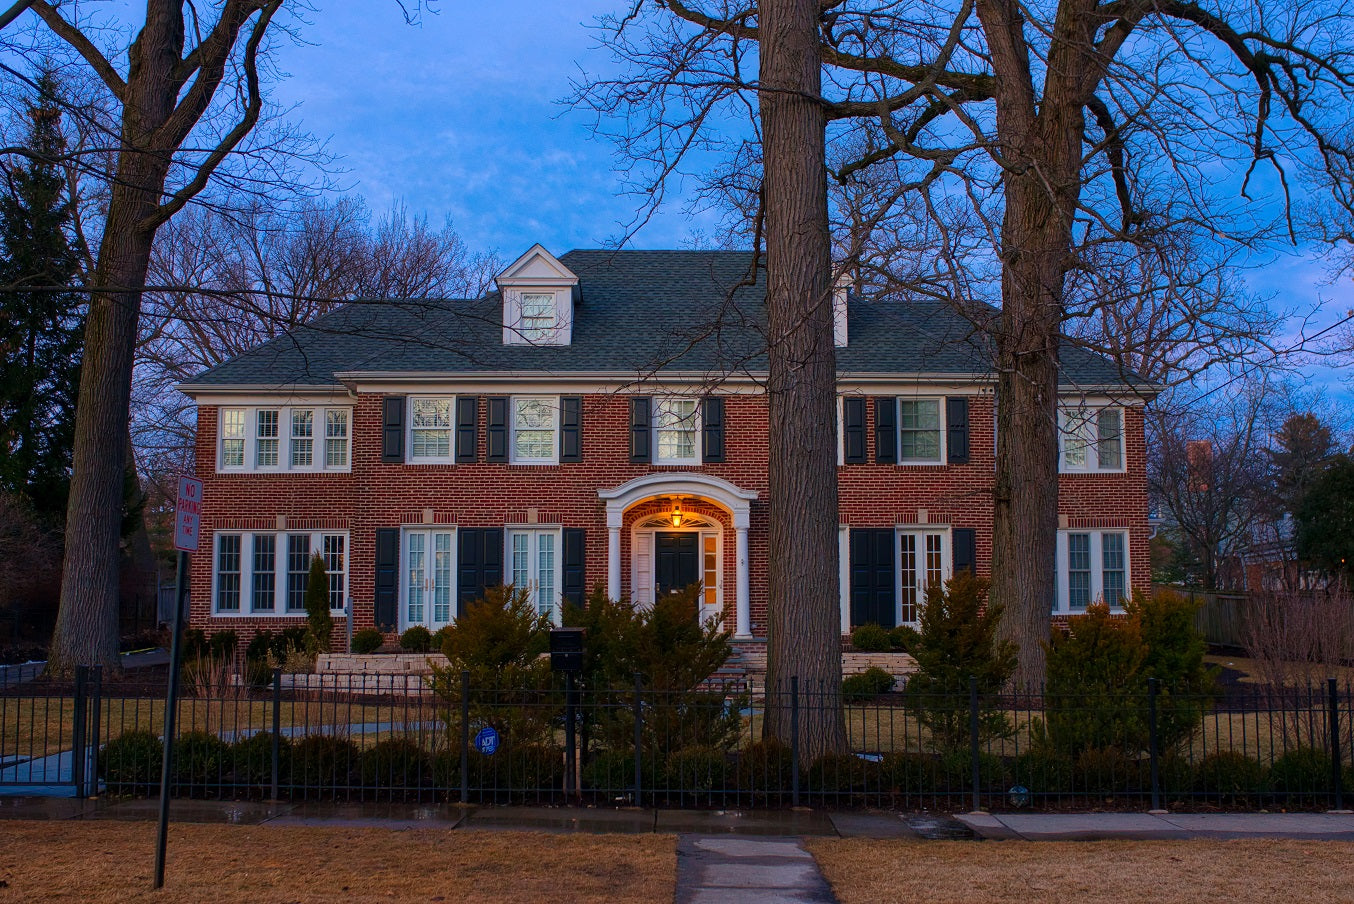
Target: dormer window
538,300
538,316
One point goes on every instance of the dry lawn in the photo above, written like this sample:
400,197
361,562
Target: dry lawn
866,871
113,862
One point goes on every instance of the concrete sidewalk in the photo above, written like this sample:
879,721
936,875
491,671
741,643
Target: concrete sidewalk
775,823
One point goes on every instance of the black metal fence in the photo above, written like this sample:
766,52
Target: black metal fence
374,737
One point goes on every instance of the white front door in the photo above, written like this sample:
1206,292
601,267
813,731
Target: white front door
428,576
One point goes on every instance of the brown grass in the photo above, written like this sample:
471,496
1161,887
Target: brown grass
864,871
114,862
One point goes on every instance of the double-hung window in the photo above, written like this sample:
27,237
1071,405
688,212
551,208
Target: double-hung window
676,425
267,573
538,316
533,559
920,431
535,430
1092,567
430,429
1091,439
284,439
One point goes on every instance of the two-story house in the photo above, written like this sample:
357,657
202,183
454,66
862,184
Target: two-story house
601,419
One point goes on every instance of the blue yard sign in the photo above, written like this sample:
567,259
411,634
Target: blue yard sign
486,740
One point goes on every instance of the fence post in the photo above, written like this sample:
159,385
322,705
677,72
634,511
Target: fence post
1154,742
639,741
277,730
78,730
465,737
794,741
973,741
94,722
1333,698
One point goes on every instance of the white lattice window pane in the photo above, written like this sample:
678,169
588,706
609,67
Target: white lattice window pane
336,438
333,546
1079,570
1113,568
430,428
442,578
302,438
534,429
232,437
228,573
919,429
675,422
521,561
298,571
545,574
417,578
266,438
538,314
1110,439
264,581
910,587
934,565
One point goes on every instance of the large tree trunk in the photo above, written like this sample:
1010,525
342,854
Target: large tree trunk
87,621
804,621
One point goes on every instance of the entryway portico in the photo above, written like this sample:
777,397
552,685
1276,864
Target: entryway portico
663,544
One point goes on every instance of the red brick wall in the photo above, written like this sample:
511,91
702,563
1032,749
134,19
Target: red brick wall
375,494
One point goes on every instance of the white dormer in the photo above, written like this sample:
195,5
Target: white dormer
538,300
839,293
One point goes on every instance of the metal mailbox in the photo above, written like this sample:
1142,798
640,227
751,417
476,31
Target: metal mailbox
566,649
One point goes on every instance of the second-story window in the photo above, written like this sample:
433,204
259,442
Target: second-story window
676,424
919,428
535,423
254,439
265,447
1091,439
538,315
302,438
232,437
336,438
430,429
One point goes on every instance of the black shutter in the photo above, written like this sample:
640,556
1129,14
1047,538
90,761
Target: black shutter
467,429
571,584
392,429
853,430
886,430
712,429
964,555
496,429
479,563
639,428
387,577
571,429
872,578
956,430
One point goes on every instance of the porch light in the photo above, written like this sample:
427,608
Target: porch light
676,515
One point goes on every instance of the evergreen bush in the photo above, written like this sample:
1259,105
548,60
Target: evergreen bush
872,639
319,621
394,763
323,761
1096,691
416,640
200,758
367,640
1229,774
869,684
1301,772
132,761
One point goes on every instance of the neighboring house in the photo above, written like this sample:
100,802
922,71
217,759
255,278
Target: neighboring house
600,420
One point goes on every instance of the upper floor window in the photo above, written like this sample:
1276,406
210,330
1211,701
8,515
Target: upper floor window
538,316
676,424
255,439
430,429
1091,439
535,425
919,431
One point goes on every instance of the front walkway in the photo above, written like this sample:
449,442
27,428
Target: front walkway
715,869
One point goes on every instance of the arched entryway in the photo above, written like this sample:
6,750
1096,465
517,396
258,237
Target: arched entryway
679,525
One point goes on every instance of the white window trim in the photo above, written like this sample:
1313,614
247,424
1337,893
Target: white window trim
533,563
283,466
409,457
1091,435
943,451
402,620
642,562
1062,581
946,565
279,609
514,328
512,430
697,424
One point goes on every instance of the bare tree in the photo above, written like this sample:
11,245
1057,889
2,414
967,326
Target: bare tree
1082,121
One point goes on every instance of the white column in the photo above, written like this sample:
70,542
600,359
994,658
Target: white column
844,576
742,595
613,558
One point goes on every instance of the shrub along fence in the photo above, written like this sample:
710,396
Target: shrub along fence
383,737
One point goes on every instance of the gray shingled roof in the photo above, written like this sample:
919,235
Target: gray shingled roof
637,312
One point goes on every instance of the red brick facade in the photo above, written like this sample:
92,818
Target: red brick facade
375,494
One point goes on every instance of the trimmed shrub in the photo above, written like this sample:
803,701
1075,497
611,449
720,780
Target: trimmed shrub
366,641
417,639
696,769
956,769
223,644
446,767
323,761
194,644
905,638
842,773
1043,771
131,761
957,640
535,767
907,772
200,757
1096,689
872,639
1175,772
319,621
867,685
610,770
260,646
394,763
1108,770
765,766
251,759
1229,774
1175,657
1301,771
440,638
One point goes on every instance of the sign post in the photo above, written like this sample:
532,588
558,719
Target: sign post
187,520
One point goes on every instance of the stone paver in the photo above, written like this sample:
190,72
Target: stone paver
731,870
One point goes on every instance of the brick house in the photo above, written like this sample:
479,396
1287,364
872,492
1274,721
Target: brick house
600,420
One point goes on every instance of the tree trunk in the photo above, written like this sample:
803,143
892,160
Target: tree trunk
804,620
87,620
